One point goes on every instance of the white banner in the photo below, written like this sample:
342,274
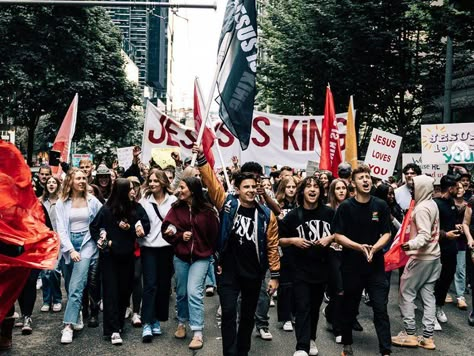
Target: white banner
433,170
382,153
125,156
447,143
275,139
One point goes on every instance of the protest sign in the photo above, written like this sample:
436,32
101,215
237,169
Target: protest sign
311,167
433,170
125,156
77,157
447,143
275,139
162,156
382,153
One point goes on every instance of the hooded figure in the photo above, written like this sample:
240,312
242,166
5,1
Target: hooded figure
424,227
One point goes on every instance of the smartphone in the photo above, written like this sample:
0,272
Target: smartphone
54,158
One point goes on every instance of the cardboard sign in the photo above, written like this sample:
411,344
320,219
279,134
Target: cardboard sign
162,156
382,153
311,167
447,143
125,156
433,170
77,157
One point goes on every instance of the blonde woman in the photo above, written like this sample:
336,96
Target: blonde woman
75,211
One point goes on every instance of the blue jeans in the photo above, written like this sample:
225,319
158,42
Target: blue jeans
190,291
211,275
51,287
460,275
263,306
75,277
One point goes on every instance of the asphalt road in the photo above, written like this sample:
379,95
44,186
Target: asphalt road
457,337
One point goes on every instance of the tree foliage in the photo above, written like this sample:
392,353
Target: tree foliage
388,54
50,53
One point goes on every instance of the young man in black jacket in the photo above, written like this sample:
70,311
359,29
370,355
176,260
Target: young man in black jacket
448,234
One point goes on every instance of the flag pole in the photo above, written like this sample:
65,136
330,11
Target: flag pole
219,153
220,59
216,141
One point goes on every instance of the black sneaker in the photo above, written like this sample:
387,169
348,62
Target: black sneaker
27,328
470,318
93,322
356,326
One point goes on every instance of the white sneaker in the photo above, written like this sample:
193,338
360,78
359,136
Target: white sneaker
300,353
80,323
313,349
39,283
101,305
440,315
128,312
288,326
265,334
136,320
437,326
66,337
57,307
45,308
339,339
272,302
116,339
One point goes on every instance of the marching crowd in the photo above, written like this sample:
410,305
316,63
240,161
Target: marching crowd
297,240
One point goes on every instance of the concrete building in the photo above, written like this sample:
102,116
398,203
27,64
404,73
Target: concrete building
145,42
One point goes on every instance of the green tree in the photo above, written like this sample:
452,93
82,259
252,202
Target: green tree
386,53
50,53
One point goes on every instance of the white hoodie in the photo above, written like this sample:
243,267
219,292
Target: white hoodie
424,227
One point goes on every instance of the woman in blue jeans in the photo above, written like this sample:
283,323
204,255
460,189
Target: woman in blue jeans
75,211
52,296
191,227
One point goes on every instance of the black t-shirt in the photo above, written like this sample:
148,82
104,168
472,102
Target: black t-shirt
447,222
310,265
243,244
363,223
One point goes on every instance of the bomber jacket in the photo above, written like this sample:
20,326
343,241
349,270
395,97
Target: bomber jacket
204,227
227,205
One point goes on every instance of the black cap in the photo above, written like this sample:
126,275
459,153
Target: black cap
447,181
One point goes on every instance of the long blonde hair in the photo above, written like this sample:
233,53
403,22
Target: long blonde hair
281,194
68,182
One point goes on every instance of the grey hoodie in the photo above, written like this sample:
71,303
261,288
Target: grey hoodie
424,225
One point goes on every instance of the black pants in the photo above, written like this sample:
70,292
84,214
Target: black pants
27,297
137,291
373,279
237,343
308,298
117,280
92,293
448,269
336,291
157,265
286,301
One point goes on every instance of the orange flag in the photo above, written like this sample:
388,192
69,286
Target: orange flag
62,143
351,138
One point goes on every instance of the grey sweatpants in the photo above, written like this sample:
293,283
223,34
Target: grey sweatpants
419,277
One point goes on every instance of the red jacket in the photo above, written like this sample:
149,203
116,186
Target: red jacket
204,227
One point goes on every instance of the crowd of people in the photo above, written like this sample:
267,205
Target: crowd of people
300,240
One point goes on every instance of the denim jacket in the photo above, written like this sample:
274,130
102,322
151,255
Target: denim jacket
63,212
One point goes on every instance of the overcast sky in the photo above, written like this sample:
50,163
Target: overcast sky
195,44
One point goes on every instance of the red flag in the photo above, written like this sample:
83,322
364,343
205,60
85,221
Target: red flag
330,146
208,136
21,226
62,143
